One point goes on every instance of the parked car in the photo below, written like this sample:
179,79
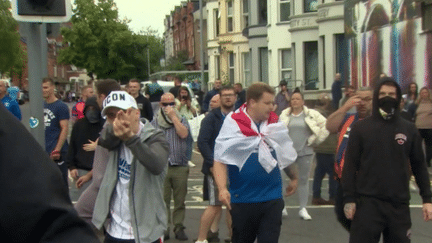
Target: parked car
167,85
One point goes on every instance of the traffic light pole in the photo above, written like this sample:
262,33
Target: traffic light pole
36,65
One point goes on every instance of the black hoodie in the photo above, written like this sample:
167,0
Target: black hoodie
34,202
82,131
379,156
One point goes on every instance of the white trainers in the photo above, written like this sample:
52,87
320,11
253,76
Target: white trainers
284,212
191,164
303,213
204,241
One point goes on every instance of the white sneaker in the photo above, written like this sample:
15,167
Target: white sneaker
204,241
191,164
303,213
284,212
413,186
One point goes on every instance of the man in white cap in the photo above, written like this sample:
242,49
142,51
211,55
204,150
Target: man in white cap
130,199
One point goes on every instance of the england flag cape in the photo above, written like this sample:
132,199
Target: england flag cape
239,137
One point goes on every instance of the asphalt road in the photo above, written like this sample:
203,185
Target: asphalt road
323,227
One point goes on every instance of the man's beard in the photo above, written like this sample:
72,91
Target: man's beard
227,107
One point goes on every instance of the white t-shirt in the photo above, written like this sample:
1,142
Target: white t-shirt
119,226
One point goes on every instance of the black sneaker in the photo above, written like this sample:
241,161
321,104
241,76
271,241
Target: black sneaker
213,237
181,235
166,235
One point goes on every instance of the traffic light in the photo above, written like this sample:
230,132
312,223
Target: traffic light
42,11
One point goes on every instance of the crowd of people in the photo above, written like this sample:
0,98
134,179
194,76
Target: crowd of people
129,154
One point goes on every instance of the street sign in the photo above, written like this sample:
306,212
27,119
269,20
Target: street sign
42,11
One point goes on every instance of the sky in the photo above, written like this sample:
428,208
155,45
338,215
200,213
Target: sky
144,13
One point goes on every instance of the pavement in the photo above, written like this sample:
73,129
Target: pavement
323,227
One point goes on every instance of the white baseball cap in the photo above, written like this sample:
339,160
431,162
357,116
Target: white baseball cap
119,99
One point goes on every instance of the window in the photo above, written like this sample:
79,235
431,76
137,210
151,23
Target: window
285,64
247,78
263,54
311,65
245,14
262,12
216,21
284,10
217,62
231,65
230,16
340,53
310,6
55,71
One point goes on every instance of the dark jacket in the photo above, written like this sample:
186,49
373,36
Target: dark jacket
35,204
336,93
379,156
82,132
207,98
145,107
210,127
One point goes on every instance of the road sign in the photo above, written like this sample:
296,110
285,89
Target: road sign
42,11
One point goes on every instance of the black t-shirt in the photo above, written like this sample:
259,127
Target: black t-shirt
145,107
174,90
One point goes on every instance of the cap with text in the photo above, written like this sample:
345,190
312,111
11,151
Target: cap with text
119,99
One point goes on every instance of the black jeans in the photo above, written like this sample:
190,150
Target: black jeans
374,217
261,221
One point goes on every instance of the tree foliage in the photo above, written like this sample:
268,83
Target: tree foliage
104,45
12,56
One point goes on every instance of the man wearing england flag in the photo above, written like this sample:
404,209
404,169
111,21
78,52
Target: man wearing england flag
251,150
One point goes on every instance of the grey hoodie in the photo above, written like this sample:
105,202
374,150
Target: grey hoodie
148,169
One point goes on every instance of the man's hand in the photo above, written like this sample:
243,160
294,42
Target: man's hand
170,112
91,146
122,124
55,155
225,198
427,211
291,188
349,210
82,180
74,174
352,101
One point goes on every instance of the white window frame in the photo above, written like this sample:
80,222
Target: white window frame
281,4
231,66
230,16
247,78
285,69
245,14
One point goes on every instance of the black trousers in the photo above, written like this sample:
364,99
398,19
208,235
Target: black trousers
374,217
426,134
261,221
339,206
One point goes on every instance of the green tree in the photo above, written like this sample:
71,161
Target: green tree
104,45
175,63
12,56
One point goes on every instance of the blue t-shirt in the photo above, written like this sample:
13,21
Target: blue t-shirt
12,106
253,184
53,114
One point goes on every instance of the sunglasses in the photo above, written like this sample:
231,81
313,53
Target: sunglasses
168,104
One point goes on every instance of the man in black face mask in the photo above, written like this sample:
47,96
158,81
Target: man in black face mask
83,141
382,150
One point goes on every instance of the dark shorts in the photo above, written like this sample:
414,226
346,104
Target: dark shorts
260,221
210,191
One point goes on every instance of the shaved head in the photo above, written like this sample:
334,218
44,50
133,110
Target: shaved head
167,97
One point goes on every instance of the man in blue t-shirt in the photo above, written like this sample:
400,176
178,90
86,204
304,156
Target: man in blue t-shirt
251,148
56,117
9,103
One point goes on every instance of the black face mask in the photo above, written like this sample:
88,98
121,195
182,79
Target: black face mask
387,107
92,116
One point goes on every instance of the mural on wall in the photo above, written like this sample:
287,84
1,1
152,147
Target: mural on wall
384,37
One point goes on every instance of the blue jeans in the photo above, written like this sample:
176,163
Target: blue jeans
324,165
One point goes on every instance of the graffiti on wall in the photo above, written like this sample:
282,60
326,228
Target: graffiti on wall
384,37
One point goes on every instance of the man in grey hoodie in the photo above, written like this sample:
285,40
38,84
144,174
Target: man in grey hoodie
130,200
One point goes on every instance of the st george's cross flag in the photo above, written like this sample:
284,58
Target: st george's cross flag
239,137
